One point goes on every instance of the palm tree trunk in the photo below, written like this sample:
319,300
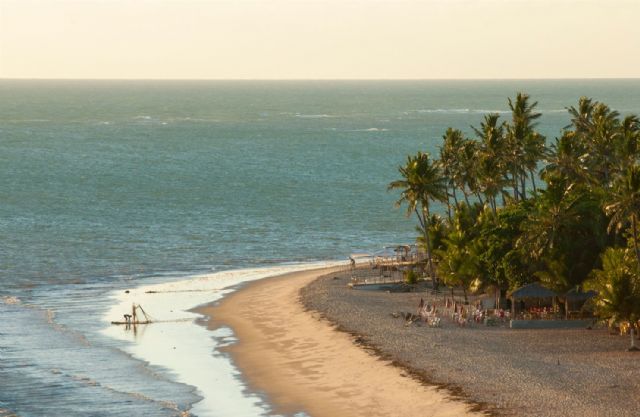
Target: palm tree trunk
634,227
455,196
523,183
428,239
633,346
533,182
423,222
448,204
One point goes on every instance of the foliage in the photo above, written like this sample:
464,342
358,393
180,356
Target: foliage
618,286
502,262
506,232
410,277
437,228
422,182
457,266
564,233
624,204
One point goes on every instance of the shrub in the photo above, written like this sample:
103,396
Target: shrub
410,277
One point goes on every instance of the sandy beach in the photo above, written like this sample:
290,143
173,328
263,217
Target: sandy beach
530,373
304,364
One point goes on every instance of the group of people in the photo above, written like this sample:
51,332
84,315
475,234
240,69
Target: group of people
461,314
429,313
536,312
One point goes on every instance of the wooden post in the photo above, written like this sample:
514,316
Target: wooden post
633,347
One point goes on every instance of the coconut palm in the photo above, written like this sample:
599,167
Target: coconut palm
628,147
602,140
468,170
535,150
624,205
581,118
492,180
491,159
451,158
618,288
566,227
598,129
458,266
525,145
564,161
546,223
422,182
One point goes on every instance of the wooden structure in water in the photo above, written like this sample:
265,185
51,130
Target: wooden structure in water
385,267
132,319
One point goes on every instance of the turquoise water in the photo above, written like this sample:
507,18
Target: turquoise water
111,184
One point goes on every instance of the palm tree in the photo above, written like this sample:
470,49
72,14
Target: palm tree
563,235
491,179
598,129
582,115
535,150
618,288
422,181
628,147
564,161
451,158
624,205
491,160
458,266
603,138
546,223
438,230
468,170
525,145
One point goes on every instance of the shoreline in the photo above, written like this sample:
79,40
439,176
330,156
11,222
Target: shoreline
505,372
177,342
304,364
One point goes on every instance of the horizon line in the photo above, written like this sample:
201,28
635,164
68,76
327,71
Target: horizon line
320,79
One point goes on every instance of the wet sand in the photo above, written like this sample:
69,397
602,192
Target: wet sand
304,364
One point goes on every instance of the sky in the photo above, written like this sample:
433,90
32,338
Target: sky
319,39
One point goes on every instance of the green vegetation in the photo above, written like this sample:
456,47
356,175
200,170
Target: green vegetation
410,277
502,229
422,181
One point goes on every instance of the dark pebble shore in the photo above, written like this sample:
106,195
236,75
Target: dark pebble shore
506,372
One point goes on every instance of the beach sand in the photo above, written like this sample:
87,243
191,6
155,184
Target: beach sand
524,373
302,363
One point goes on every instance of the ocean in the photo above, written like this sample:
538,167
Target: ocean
110,186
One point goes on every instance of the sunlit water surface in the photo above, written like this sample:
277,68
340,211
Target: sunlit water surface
114,186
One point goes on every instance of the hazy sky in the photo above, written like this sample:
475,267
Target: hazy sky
317,39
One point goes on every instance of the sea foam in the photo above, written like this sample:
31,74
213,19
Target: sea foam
177,342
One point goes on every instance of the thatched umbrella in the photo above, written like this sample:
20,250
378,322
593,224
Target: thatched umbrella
575,296
534,290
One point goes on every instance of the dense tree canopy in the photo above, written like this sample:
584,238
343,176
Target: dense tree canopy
506,230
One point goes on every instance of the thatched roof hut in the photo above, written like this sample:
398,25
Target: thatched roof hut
574,302
576,295
534,290
535,294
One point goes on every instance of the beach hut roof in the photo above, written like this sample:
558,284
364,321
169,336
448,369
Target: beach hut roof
575,295
534,290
